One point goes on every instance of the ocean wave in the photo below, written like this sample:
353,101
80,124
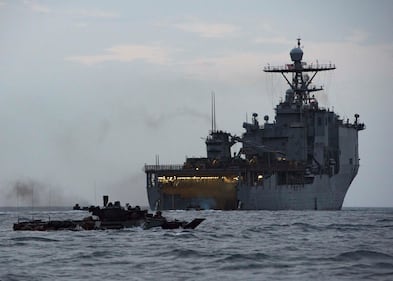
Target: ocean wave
245,257
17,277
95,254
264,228
245,266
336,226
184,253
236,262
350,226
306,226
179,234
33,238
279,225
385,220
362,254
383,265
230,245
378,275
221,236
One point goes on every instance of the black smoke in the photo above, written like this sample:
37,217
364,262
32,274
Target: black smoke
30,192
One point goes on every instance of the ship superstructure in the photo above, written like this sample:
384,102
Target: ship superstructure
305,159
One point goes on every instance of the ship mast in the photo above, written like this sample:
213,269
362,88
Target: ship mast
214,124
300,83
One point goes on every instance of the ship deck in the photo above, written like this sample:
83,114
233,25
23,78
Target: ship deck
179,170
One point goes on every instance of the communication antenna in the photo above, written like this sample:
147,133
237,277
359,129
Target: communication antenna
95,192
32,198
50,197
213,112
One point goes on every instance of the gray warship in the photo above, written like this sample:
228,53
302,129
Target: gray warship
305,159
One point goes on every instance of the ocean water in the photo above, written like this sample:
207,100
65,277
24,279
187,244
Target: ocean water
352,244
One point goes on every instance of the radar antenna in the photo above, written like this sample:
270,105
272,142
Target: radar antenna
300,83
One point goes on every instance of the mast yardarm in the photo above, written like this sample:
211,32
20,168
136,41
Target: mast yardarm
300,83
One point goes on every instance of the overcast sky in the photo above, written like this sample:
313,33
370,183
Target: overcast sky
90,91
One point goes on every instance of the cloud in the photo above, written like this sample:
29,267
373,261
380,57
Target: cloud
125,53
93,14
352,55
208,30
81,13
239,67
274,40
36,7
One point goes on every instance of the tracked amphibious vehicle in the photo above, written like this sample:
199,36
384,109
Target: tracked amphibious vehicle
109,216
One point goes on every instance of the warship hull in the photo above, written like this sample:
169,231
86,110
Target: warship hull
325,193
175,187
305,159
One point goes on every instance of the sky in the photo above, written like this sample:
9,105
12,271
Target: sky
91,91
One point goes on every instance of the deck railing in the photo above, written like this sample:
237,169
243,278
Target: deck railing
163,167
278,166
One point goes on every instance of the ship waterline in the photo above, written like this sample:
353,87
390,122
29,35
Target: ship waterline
306,159
230,193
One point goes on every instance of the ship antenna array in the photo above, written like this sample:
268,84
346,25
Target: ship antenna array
214,128
300,86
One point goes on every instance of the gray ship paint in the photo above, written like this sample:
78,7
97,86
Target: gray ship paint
305,159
